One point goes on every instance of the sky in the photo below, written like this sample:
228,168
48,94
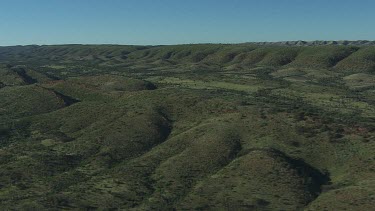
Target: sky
156,22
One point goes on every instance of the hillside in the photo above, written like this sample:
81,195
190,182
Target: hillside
282,126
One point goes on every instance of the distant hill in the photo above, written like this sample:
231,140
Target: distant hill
340,55
317,43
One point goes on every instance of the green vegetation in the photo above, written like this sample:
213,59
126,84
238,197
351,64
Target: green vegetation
187,127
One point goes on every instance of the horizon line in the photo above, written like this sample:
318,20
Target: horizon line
284,42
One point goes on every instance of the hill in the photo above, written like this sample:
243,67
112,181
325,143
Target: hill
188,127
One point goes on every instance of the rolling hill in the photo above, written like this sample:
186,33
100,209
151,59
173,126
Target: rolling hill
253,126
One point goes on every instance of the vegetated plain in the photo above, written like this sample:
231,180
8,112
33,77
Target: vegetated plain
187,127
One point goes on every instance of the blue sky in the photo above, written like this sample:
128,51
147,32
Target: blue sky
155,22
